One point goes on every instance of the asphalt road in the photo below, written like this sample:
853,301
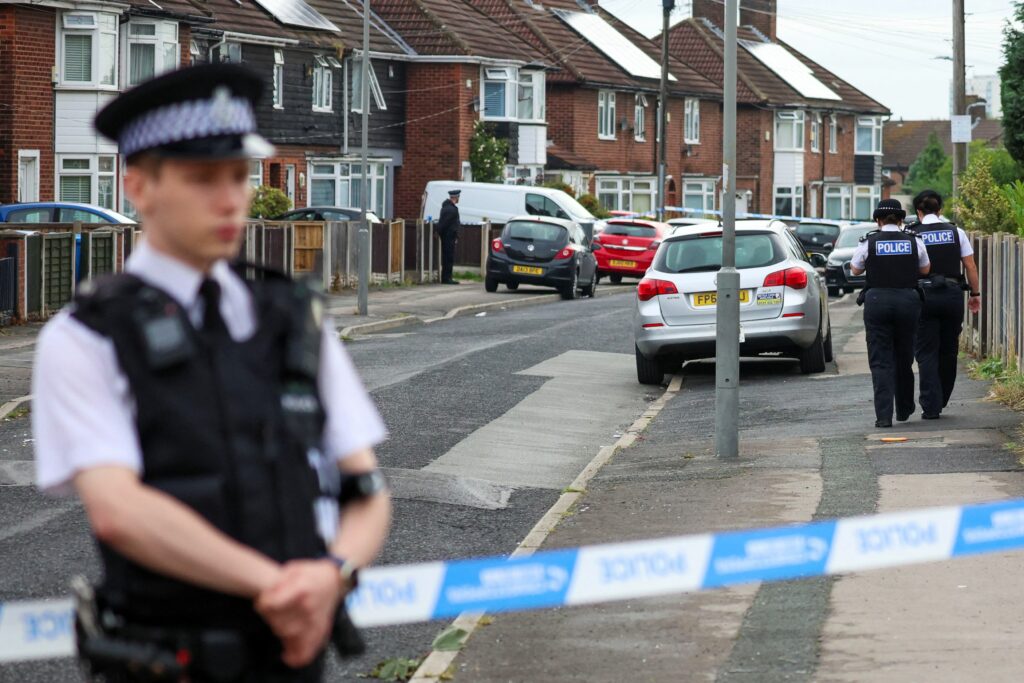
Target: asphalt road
436,386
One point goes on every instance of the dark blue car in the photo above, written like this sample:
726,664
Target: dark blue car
60,212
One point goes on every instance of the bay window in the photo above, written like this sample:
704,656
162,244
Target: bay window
339,183
627,193
498,83
699,195
865,198
837,202
152,49
869,135
531,96
789,131
789,201
606,115
691,121
88,49
87,179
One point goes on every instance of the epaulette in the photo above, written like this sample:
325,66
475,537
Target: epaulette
911,233
868,234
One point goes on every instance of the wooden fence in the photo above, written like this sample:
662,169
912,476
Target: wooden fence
998,330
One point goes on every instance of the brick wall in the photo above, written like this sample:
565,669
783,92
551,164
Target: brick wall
439,125
185,43
27,54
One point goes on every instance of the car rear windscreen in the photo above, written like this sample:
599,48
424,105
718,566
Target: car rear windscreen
536,232
630,230
851,236
823,232
700,253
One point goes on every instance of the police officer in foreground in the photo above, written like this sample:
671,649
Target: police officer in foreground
938,334
893,259
448,230
212,425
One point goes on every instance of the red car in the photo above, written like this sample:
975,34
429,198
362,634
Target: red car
626,247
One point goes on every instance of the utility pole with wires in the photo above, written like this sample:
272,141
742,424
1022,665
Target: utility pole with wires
959,91
666,6
364,194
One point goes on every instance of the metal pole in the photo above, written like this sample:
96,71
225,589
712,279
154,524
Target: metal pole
364,195
959,90
667,6
727,347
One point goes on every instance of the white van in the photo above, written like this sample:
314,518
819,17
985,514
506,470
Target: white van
498,203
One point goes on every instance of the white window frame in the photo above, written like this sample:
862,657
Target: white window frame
356,98
194,53
101,36
845,195
165,35
871,193
323,85
691,121
640,118
816,132
618,193
702,187
508,77
606,115
874,123
345,173
255,172
797,120
93,172
29,154
833,134
793,192
278,80
536,83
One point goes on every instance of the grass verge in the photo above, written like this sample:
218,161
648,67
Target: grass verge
1007,382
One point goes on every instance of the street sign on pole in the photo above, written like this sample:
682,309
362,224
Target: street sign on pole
364,194
960,128
727,321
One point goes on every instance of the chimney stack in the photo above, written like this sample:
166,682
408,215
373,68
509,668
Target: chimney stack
760,14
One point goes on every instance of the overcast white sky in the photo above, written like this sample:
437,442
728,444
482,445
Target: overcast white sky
884,47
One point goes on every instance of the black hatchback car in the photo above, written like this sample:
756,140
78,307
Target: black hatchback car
537,250
817,235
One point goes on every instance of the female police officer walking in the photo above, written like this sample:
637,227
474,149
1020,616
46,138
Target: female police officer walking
938,335
893,260
187,406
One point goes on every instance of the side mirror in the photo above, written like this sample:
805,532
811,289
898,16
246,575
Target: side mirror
828,247
818,261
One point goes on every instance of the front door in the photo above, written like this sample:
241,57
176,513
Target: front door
289,182
28,179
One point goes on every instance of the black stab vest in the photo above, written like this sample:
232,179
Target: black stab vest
892,260
943,243
214,435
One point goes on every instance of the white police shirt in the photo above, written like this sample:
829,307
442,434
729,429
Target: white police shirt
965,242
82,408
860,254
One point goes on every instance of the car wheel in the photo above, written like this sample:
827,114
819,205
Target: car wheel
490,284
512,286
648,371
828,344
833,291
812,359
615,279
591,289
572,290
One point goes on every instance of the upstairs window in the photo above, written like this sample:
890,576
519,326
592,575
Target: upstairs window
640,119
869,135
531,96
278,79
376,94
789,131
833,134
152,49
691,122
606,115
815,132
323,84
498,84
88,49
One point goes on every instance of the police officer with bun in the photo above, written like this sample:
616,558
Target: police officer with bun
208,418
893,259
938,334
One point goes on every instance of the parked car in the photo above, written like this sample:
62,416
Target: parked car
692,220
61,212
538,250
500,203
818,235
326,213
837,269
626,246
783,302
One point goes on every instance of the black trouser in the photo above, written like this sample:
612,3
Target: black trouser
448,256
890,321
937,345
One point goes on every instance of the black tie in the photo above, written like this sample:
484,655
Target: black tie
213,324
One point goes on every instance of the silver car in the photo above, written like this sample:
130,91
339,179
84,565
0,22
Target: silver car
783,300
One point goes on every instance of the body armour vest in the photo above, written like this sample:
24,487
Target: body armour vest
892,259
943,243
214,434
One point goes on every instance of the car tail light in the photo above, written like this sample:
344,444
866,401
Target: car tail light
650,288
792,315
595,245
564,254
654,245
651,325
711,234
497,246
794,277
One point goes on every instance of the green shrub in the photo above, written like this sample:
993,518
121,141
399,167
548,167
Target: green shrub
982,205
487,154
593,205
268,202
564,187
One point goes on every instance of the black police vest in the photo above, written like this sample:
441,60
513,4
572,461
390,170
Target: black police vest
214,435
943,243
892,259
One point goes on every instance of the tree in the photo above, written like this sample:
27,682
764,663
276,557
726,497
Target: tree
982,204
268,202
487,155
1011,76
1005,169
927,170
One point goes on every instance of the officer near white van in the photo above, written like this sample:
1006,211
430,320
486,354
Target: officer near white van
938,333
448,225
893,259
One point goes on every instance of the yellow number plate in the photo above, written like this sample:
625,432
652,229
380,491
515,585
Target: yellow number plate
528,270
711,298
622,264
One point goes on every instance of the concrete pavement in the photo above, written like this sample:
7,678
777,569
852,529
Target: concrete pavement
809,451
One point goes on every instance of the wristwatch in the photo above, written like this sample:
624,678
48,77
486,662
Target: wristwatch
975,293
348,572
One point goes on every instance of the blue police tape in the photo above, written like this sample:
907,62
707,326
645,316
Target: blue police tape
710,213
603,573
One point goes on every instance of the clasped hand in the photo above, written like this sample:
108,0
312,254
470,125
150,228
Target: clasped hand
300,608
